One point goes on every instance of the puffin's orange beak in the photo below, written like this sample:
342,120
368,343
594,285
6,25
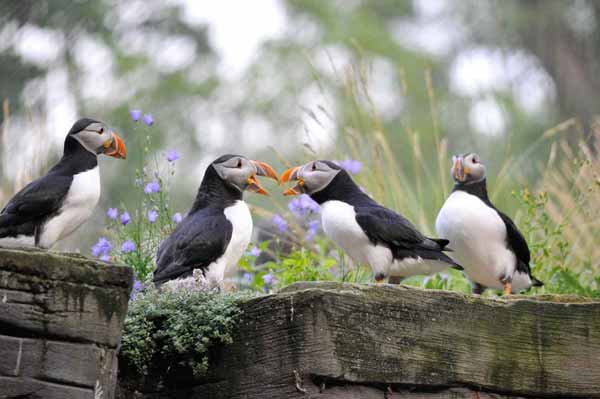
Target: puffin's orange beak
458,171
289,175
262,169
115,147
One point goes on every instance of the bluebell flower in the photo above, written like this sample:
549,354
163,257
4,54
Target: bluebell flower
125,218
152,216
135,114
311,232
101,248
105,258
152,187
281,223
172,155
268,279
112,213
177,218
350,165
303,205
138,287
247,278
128,247
255,251
148,119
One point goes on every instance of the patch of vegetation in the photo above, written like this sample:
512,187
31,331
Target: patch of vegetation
177,328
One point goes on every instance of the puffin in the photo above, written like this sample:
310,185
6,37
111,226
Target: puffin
486,242
368,232
54,206
217,230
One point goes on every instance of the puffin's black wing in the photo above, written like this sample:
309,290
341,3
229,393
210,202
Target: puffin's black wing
517,243
200,239
36,202
383,225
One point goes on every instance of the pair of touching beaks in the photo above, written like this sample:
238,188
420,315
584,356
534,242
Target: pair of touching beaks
264,169
267,170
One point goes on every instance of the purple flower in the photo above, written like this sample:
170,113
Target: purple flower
125,218
350,165
281,223
152,215
152,187
112,213
177,218
105,258
247,278
135,114
303,205
268,279
172,155
313,227
255,251
101,248
138,286
128,247
148,119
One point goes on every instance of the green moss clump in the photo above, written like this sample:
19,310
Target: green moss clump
171,329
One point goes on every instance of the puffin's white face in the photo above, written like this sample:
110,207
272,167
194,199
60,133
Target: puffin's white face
312,177
467,168
240,172
98,139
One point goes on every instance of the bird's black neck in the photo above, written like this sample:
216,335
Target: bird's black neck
478,189
214,191
342,188
76,159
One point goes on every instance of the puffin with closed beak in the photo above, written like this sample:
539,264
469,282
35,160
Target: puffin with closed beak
370,233
218,228
55,205
486,242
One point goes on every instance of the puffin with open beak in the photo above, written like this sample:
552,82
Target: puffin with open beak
218,228
485,241
370,233
55,205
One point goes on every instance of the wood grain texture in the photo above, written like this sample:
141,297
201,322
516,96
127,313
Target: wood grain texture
61,319
335,340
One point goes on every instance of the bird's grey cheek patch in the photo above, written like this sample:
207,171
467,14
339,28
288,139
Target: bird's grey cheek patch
322,180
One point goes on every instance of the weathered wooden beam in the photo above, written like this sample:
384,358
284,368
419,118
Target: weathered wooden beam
61,318
350,340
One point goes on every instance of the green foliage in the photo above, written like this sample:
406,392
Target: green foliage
550,250
169,328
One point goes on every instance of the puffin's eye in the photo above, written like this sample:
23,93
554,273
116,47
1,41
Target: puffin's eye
474,160
239,164
314,166
101,130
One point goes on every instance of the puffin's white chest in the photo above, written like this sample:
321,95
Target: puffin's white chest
241,221
77,207
339,223
477,236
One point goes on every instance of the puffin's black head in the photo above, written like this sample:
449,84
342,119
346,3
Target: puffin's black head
467,168
240,172
312,177
96,138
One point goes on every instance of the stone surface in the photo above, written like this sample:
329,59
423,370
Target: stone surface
61,318
330,340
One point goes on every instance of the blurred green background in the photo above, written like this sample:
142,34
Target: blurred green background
399,85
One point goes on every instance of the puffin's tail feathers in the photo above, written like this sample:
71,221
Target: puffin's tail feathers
536,283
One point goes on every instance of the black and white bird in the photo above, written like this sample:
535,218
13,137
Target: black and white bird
54,206
485,241
368,232
217,230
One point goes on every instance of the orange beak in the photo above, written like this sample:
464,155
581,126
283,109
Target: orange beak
289,175
262,169
115,147
458,171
